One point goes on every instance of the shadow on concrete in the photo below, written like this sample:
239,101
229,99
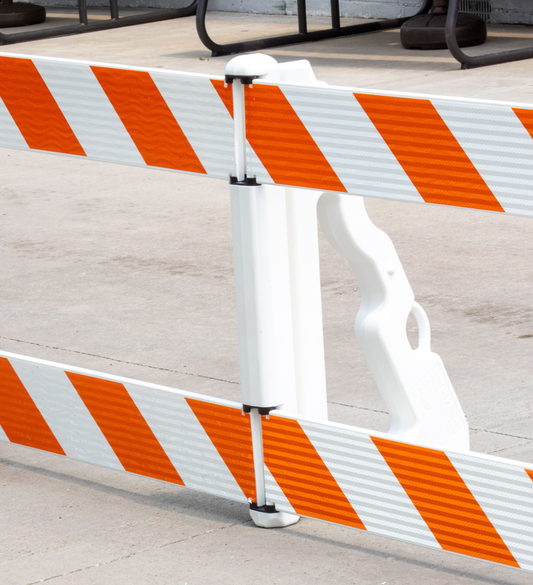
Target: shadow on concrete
388,555
185,501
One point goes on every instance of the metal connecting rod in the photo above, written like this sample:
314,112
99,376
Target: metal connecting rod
257,443
240,131
262,513
413,382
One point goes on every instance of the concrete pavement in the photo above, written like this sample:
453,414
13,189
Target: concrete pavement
129,271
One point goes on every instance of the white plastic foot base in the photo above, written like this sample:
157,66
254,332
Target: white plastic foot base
273,520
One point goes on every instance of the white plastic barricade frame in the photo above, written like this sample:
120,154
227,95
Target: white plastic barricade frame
295,150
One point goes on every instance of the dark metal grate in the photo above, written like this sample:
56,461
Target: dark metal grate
481,8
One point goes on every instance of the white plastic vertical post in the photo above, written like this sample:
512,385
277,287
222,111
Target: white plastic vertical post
277,273
263,291
279,310
309,364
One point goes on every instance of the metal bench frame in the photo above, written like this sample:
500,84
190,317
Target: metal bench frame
467,61
303,35
336,30
85,26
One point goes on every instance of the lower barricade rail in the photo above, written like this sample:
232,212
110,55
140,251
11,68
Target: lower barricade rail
171,435
467,503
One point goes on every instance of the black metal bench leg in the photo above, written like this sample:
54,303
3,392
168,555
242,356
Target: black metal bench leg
335,14
302,16
300,37
82,8
113,7
468,61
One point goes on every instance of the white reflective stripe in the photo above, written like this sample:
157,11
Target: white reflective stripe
66,414
351,143
89,112
203,117
255,167
369,484
505,493
275,495
499,147
184,440
3,436
10,135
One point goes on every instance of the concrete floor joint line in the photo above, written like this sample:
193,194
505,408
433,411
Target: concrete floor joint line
507,448
137,553
119,361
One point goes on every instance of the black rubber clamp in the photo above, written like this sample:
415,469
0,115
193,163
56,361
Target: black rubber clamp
248,181
262,409
267,508
245,79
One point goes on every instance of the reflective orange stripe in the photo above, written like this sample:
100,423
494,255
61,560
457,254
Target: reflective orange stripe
526,117
530,473
302,475
428,152
225,93
19,416
444,501
34,109
282,142
148,119
124,427
230,433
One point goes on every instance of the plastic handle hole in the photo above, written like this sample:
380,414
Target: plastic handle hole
424,329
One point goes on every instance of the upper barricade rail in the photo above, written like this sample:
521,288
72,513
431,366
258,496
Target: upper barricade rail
110,65
419,148
127,115
459,152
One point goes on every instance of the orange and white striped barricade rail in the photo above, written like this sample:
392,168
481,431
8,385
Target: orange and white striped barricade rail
449,151
127,115
467,503
171,435
295,150
409,147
